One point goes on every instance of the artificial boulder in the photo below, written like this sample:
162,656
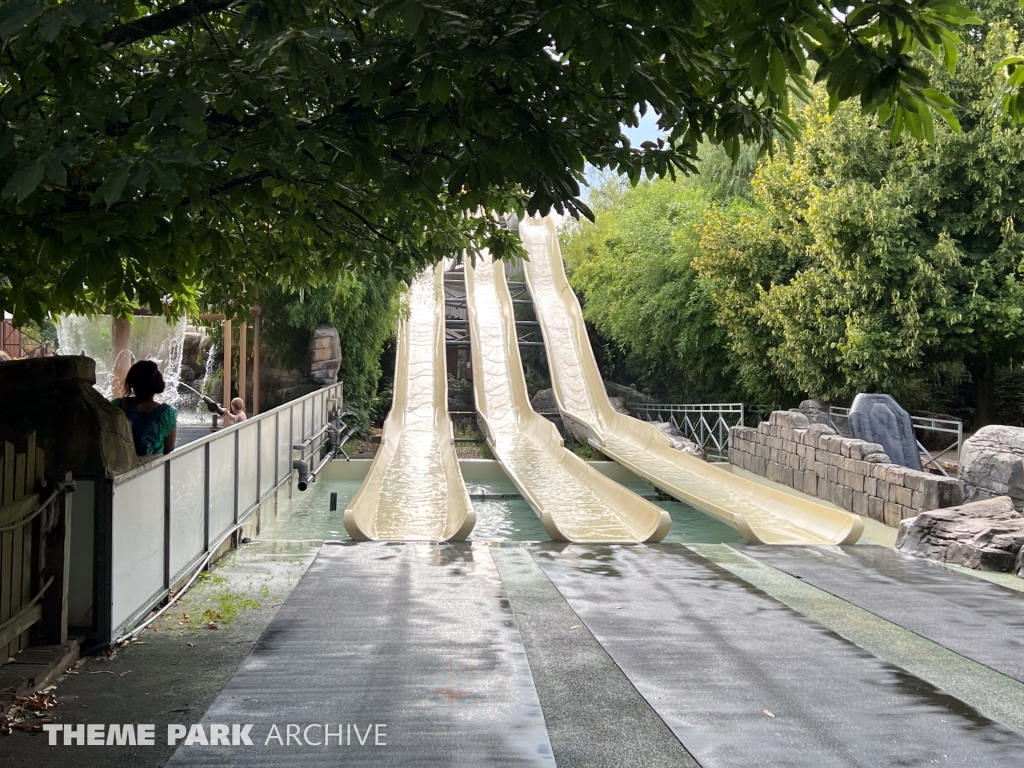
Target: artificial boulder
544,401
987,535
680,441
324,355
629,394
76,427
816,411
992,464
880,419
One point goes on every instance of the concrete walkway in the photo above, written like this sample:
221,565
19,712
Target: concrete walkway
637,655
722,656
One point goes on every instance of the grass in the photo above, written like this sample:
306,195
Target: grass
220,604
584,451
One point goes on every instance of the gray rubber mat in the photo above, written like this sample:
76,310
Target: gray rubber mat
743,680
417,637
973,617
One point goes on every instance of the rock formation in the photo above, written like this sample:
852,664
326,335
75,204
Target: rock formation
992,464
680,441
816,411
880,419
987,535
324,355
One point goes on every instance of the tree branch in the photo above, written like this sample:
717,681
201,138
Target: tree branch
148,26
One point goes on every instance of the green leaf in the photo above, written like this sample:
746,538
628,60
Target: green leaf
113,186
412,15
55,169
24,181
16,15
191,123
51,24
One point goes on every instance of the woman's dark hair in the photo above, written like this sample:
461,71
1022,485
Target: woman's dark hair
144,380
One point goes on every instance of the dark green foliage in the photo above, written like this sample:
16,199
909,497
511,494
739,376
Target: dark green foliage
171,152
364,311
640,290
866,263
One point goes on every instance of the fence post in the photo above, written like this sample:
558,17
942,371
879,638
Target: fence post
206,497
55,562
167,527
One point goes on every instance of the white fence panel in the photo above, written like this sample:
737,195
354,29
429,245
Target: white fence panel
137,570
284,443
268,453
248,456
188,505
222,487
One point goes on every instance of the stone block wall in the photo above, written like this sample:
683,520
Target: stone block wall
853,474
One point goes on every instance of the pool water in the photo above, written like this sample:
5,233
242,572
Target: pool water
501,515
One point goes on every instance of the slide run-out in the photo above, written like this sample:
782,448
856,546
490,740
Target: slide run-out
760,513
574,501
414,490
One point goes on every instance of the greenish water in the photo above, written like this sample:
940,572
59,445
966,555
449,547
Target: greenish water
307,516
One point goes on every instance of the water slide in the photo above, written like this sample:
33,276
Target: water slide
575,502
761,514
414,490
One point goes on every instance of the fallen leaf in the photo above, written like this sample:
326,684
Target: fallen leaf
769,713
211,625
191,645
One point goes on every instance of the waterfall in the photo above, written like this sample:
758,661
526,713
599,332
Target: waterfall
152,338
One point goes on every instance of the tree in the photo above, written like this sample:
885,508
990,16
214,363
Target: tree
363,310
633,266
158,152
867,262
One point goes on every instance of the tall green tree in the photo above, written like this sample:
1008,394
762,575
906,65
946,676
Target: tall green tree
633,267
155,152
867,262
364,311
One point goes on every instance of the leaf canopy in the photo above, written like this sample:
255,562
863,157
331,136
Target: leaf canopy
167,153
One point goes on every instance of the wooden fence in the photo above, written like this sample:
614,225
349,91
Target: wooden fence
34,548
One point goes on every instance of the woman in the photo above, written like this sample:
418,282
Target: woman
154,425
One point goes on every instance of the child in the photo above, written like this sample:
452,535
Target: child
237,409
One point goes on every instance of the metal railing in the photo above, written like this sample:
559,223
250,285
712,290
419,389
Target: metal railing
168,514
839,418
707,424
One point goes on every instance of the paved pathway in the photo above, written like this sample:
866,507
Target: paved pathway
659,655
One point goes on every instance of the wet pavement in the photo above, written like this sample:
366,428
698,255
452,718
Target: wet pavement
975,618
600,655
504,653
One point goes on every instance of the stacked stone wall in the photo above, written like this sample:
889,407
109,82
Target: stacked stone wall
853,474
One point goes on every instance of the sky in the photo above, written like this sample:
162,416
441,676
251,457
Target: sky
646,131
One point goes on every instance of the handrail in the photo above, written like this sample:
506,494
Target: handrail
714,438
196,445
305,443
